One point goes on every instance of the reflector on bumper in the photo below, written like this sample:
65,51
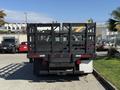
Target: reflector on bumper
84,56
43,55
35,55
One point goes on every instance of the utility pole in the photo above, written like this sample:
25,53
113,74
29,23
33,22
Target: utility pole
25,17
26,20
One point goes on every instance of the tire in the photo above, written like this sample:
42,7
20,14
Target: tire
39,66
14,50
30,60
3,51
36,67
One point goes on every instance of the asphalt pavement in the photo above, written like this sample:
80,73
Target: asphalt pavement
16,74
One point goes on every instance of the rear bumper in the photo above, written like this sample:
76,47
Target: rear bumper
7,49
22,50
39,55
33,55
61,65
60,72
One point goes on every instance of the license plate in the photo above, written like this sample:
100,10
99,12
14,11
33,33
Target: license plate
5,48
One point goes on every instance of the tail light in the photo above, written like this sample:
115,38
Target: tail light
36,55
78,61
84,56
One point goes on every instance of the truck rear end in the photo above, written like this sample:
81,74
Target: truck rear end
67,48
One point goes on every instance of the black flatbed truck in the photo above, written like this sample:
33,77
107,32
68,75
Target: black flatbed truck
67,48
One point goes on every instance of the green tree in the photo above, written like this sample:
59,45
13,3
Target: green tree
90,20
113,24
2,15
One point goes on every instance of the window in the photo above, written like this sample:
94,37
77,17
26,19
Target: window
5,27
13,28
9,40
9,27
17,28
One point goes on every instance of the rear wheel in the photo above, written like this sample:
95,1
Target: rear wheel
36,67
39,66
14,50
3,51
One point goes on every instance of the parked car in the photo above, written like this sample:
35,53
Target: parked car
9,44
23,47
102,46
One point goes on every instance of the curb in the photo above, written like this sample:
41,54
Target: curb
106,84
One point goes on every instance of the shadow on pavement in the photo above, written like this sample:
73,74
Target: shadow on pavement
23,71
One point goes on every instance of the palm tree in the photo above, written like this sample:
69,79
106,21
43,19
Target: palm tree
116,14
2,15
114,24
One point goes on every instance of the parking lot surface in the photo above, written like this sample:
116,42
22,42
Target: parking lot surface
16,74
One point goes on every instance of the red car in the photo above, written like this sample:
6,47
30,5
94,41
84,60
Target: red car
23,47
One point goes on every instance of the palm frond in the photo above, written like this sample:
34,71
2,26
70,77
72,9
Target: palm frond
111,25
116,14
2,15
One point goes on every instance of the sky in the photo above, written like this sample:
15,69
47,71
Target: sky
58,10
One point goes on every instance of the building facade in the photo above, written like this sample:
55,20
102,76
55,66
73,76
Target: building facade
15,26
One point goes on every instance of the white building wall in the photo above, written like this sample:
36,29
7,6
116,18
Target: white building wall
21,37
15,26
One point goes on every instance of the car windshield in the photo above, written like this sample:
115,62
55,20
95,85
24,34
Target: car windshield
24,43
9,40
